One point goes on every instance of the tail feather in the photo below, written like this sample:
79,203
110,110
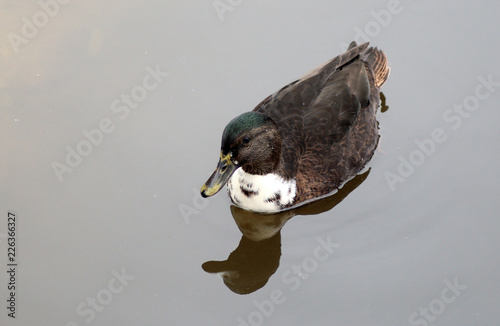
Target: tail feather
377,60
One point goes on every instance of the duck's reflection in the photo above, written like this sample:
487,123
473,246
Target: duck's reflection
249,267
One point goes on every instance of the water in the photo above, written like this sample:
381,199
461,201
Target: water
111,121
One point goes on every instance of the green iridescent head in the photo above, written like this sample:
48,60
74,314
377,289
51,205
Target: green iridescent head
251,141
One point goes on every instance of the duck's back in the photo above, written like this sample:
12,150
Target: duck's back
327,120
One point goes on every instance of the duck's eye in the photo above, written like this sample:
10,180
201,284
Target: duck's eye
245,140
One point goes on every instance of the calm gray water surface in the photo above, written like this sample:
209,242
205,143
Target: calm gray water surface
111,116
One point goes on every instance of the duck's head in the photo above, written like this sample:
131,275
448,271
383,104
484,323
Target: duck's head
251,141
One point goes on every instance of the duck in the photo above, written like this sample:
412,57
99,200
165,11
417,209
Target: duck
303,142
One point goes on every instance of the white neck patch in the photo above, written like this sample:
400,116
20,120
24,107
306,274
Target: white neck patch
261,193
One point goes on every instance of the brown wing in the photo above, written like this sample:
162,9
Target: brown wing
317,112
318,106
